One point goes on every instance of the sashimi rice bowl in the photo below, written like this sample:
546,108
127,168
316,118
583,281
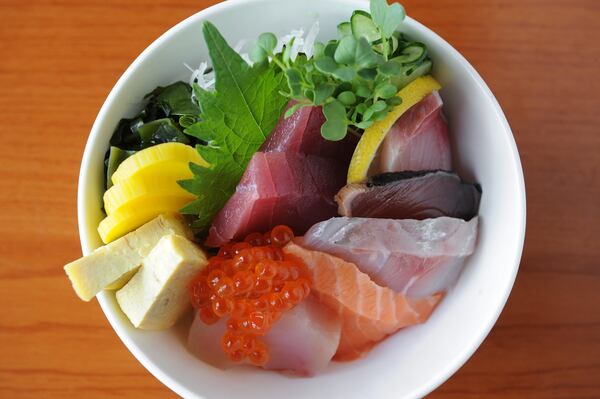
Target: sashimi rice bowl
308,199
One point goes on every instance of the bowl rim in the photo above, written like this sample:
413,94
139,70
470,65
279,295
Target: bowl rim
87,244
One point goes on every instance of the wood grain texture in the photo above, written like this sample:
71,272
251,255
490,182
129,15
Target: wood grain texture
61,57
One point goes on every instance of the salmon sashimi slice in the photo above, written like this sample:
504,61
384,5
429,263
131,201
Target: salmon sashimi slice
368,311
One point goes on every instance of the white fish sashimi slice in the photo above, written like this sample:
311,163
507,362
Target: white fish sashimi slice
204,342
413,257
302,342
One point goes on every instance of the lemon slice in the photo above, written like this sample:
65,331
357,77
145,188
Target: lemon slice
369,143
149,160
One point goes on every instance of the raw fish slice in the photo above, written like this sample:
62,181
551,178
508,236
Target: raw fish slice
296,189
289,132
284,211
322,205
204,342
412,257
369,312
264,204
417,141
300,171
303,341
301,133
410,195
255,189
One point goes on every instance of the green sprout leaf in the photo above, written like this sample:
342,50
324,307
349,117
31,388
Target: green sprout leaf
334,110
368,74
294,78
330,48
264,47
326,64
390,68
309,93
363,91
318,50
336,125
387,17
268,41
344,29
394,101
363,26
322,92
376,107
345,73
364,124
365,57
287,51
347,98
386,90
334,130
346,50
258,55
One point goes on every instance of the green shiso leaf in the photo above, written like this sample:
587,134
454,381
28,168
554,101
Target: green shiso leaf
236,119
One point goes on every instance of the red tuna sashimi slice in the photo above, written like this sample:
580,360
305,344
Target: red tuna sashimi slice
417,141
301,133
251,205
302,341
288,189
299,189
414,257
369,312
410,195
321,178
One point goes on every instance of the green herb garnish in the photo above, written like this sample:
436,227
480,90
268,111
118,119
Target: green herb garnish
236,119
355,78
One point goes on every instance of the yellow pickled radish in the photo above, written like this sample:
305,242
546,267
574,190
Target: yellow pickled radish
141,190
154,158
124,221
369,143
145,186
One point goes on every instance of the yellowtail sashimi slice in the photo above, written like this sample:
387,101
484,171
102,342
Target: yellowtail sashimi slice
373,136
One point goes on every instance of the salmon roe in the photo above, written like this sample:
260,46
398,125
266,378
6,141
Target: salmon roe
253,283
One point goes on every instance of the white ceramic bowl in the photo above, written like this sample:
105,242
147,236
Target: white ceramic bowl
412,362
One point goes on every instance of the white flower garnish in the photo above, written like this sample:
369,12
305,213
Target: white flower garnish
300,44
309,41
204,79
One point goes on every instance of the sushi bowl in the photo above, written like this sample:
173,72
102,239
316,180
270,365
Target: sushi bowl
408,364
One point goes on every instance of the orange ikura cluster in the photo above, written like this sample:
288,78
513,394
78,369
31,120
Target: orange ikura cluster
253,283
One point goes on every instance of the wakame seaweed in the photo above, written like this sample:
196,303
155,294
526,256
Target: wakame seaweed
168,111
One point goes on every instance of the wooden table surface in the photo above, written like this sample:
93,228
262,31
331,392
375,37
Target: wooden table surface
60,58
